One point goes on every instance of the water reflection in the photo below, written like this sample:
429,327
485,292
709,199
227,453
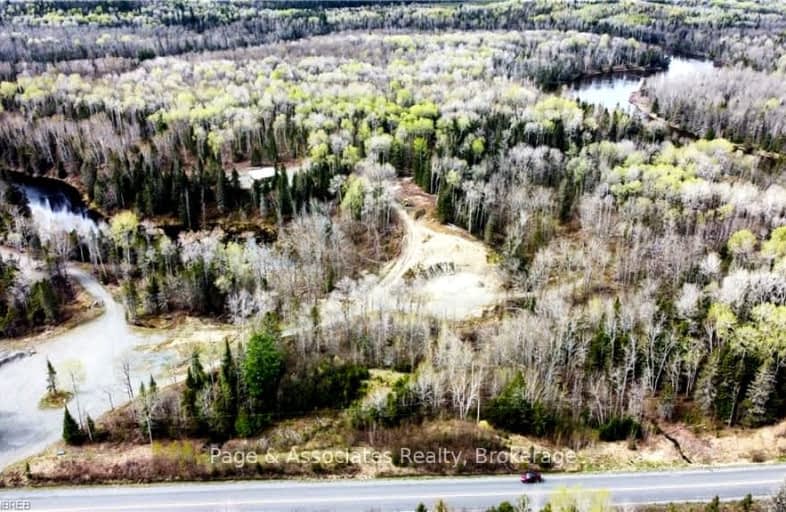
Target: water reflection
94,352
613,91
54,214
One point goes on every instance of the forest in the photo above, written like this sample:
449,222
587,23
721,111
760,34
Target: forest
642,252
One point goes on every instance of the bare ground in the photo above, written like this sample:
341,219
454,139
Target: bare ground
451,270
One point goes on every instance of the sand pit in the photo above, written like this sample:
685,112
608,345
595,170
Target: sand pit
448,268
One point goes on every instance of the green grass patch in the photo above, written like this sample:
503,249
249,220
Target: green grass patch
56,400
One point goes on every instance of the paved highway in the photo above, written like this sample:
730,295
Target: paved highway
472,493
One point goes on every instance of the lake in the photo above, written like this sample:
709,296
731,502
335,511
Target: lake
614,90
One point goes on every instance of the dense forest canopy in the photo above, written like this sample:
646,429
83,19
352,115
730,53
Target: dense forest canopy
92,39
644,256
738,103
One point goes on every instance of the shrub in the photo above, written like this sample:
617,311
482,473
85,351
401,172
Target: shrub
72,434
511,411
325,386
619,428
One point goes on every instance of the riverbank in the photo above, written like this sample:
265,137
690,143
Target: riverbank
81,308
62,193
618,70
644,105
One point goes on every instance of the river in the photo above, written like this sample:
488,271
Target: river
95,351
613,91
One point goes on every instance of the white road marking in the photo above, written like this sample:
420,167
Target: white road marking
327,500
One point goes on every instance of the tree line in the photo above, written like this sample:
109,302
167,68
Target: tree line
55,32
260,382
740,104
648,270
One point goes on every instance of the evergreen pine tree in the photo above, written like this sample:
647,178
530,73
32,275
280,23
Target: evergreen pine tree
226,402
188,402
195,381
221,192
758,395
566,194
72,434
262,368
234,187
51,378
44,304
151,295
705,387
197,370
270,147
445,203
284,196
559,135
131,299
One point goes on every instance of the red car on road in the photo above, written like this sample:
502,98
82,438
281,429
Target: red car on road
531,477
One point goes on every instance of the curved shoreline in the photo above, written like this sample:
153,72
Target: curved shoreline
643,104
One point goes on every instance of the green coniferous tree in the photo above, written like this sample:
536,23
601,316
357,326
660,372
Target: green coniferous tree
221,190
51,378
189,404
152,293
234,188
758,395
225,406
445,203
285,207
72,434
195,381
262,369
44,304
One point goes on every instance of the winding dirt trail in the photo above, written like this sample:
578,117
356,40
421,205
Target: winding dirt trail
449,269
446,269
440,270
93,351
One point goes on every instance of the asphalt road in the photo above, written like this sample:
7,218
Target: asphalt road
403,494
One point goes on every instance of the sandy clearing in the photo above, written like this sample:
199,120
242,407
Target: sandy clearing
440,269
449,268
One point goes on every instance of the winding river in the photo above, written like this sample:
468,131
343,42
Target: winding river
613,91
94,352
